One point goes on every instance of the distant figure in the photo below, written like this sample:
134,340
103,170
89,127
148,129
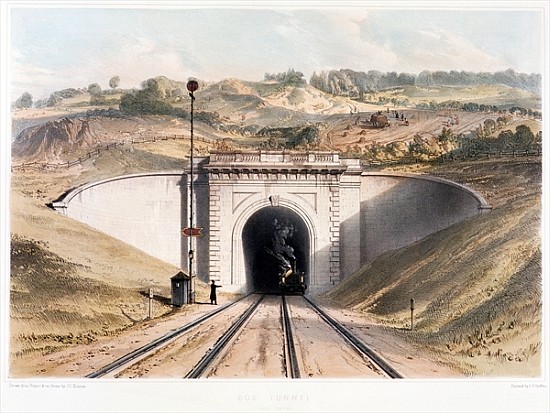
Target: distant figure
213,299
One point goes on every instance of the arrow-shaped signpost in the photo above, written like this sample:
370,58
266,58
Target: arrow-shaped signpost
192,232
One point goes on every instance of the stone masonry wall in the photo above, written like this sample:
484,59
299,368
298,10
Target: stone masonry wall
351,217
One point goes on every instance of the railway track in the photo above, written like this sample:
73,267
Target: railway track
215,356
292,367
281,349
224,340
356,343
156,344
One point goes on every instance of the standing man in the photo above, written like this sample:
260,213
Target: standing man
213,286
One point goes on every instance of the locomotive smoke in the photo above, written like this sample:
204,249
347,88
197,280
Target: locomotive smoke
280,250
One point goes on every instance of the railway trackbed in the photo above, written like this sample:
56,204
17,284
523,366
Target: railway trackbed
357,344
266,336
154,345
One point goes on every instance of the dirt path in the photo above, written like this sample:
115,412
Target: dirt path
80,360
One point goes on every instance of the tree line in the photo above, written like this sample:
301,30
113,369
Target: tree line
355,84
291,77
449,146
97,96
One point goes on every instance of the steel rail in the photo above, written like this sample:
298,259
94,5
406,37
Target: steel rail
292,360
157,343
356,343
223,341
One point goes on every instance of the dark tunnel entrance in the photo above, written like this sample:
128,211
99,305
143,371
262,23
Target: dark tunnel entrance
262,266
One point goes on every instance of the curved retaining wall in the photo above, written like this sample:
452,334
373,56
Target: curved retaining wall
143,210
149,210
399,209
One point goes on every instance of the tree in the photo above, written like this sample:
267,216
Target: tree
145,101
151,87
290,77
524,138
114,82
53,100
503,120
446,135
94,89
504,139
490,126
24,102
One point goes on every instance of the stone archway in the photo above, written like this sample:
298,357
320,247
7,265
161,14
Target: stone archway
252,231
261,266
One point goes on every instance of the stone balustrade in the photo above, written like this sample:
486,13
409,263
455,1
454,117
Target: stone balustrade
274,157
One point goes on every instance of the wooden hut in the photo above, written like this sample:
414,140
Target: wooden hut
180,289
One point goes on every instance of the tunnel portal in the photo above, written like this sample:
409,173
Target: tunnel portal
261,262
342,217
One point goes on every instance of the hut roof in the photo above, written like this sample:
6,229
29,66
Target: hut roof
181,276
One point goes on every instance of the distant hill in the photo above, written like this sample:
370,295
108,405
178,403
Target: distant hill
250,113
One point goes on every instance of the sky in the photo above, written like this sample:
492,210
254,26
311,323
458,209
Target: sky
52,46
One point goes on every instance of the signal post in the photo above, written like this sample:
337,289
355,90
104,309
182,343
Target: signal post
192,86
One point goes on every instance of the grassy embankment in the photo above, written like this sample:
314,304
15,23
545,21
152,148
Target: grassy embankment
477,285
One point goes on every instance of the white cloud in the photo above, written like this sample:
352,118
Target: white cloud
25,77
215,44
443,50
143,58
134,62
332,39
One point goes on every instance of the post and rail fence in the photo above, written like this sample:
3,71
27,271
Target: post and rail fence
98,150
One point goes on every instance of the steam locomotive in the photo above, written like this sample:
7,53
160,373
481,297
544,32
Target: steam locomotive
292,281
